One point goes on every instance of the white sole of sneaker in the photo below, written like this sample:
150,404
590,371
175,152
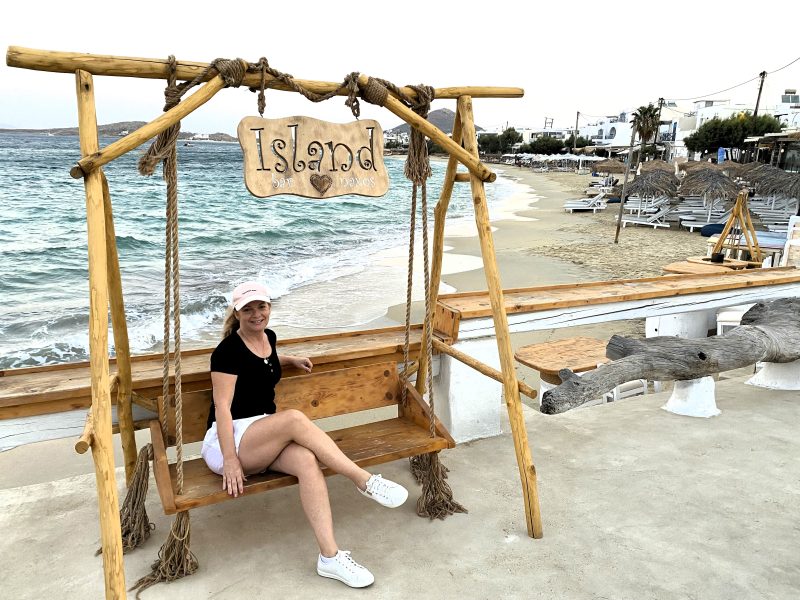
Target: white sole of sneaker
332,576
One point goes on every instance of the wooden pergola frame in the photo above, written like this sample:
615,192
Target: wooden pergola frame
105,286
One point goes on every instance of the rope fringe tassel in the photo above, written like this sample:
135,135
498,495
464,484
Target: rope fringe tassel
175,559
136,525
436,500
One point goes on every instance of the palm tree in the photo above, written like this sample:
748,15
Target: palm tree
645,123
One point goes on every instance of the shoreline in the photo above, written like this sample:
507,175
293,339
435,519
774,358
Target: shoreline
536,243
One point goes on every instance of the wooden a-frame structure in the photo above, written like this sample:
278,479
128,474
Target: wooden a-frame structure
105,287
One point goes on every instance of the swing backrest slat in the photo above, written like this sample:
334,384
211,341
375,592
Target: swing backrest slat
318,395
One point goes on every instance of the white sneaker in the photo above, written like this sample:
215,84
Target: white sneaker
346,570
385,492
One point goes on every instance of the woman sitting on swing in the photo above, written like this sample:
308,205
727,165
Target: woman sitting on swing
247,436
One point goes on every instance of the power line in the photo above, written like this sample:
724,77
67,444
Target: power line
715,93
593,116
784,66
737,85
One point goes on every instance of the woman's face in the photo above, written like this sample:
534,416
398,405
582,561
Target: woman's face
254,316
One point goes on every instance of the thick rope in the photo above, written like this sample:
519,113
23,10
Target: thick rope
350,83
135,523
409,285
171,175
436,500
428,341
175,560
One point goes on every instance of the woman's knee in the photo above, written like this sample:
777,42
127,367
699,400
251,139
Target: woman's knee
303,461
296,418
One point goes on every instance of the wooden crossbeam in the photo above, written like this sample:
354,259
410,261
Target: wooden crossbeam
157,68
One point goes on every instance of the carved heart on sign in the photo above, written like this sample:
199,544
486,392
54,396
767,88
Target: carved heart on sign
321,183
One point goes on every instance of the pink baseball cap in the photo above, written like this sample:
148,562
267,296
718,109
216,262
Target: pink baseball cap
248,291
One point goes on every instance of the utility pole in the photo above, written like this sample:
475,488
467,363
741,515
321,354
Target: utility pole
763,76
575,138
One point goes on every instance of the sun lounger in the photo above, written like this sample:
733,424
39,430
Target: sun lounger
655,220
593,204
641,206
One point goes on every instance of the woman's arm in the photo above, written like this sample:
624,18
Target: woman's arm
300,362
233,477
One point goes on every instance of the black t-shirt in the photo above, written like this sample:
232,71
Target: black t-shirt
256,379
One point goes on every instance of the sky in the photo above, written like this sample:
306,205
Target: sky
599,58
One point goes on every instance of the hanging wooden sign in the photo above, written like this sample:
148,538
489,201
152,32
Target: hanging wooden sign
307,157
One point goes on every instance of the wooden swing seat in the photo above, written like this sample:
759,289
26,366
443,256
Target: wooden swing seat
318,395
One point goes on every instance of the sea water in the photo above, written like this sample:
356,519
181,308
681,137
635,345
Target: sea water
302,248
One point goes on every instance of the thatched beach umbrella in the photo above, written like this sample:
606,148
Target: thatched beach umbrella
793,190
709,183
695,165
655,183
746,169
610,166
657,165
769,180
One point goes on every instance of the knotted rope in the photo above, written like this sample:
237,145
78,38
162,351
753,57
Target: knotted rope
436,499
175,559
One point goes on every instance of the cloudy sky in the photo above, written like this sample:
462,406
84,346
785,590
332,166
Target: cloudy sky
598,58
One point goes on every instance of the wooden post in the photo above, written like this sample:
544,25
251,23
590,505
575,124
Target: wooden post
121,345
510,389
440,214
102,445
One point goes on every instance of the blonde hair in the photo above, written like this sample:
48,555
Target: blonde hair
230,324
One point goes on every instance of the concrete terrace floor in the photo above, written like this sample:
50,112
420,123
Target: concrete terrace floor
637,503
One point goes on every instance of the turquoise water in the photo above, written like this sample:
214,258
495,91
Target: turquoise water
226,235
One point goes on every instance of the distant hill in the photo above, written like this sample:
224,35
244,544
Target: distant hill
441,117
116,130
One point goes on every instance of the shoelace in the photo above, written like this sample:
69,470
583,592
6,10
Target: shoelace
349,563
378,486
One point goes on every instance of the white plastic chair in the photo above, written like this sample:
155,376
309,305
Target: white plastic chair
730,317
787,248
793,231
637,387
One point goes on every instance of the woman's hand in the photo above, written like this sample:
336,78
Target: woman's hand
301,362
233,477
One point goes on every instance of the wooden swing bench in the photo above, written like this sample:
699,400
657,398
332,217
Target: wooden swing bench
318,395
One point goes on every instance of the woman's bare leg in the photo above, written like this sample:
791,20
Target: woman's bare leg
302,463
265,439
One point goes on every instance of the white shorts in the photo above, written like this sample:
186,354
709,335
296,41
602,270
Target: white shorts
211,451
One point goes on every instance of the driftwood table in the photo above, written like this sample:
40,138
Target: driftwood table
578,354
